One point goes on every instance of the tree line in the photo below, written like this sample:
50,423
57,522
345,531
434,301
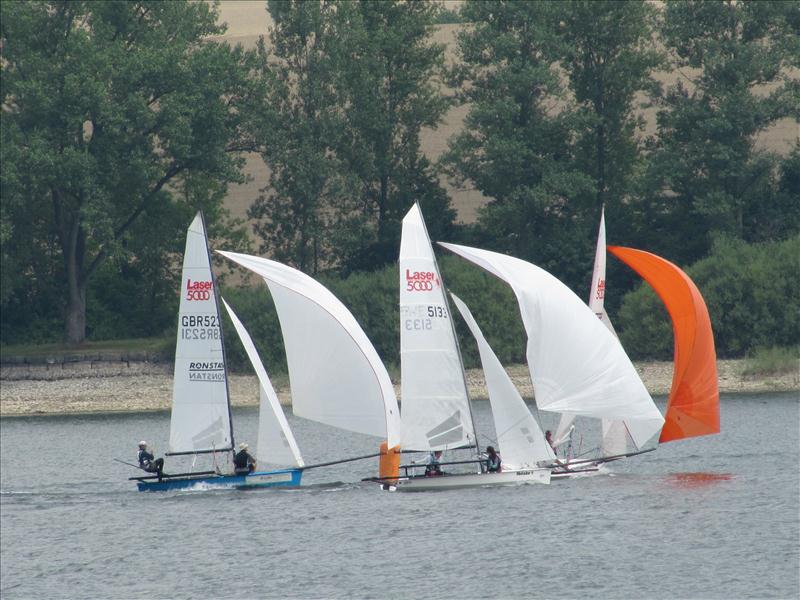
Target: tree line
120,120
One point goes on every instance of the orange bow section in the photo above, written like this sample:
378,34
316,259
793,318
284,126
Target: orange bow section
693,405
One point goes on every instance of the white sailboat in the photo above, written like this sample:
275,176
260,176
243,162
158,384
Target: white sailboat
201,420
436,412
577,366
335,374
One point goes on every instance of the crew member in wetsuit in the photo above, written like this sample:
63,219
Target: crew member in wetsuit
148,462
493,462
243,462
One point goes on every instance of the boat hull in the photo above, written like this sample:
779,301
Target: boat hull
283,477
466,480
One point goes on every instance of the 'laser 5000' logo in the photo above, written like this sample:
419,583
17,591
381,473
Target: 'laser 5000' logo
199,290
421,281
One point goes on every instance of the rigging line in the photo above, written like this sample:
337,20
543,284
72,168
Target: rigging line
337,462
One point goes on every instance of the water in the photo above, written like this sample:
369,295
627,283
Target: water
712,517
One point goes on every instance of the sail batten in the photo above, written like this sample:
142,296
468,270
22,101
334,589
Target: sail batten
577,366
693,404
200,403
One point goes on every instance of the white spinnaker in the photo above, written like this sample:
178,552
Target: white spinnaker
614,432
276,443
519,436
577,366
336,376
436,412
200,409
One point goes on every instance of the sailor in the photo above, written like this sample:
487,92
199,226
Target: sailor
549,437
493,462
432,467
148,462
243,462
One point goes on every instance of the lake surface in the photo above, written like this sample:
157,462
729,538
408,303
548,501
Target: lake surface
711,517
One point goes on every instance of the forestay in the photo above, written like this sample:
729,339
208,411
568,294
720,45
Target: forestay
577,366
276,443
335,374
200,405
436,412
519,436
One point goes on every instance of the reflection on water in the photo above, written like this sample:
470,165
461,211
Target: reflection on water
692,480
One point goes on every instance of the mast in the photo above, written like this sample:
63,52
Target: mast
221,336
453,329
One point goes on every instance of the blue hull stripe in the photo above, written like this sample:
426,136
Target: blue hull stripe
258,479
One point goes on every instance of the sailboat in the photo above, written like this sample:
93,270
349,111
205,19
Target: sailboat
201,420
577,366
335,374
436,413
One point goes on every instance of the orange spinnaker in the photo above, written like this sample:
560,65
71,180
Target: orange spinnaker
693,405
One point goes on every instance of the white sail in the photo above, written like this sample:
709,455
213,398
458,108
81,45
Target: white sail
200,406
336,376
519,436
436,412
577,366
276,443
614,432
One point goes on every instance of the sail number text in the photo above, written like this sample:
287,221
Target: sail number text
200,327
425,323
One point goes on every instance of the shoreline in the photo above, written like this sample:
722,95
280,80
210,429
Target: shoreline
148,388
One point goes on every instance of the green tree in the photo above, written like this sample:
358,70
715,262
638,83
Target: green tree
518,142
121,119
735,59
609,60
308,187
388,85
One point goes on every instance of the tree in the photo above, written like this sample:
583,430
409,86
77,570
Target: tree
121,118
735,60
609,60
387,81
518,142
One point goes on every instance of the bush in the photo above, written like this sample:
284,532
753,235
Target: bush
752,293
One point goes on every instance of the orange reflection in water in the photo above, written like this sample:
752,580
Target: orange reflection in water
692,480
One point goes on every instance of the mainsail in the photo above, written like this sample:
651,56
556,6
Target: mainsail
577,366
518,434
276,443
693,405
201,420
436,412
336,376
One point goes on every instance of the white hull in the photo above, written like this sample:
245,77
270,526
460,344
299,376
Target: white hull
451,482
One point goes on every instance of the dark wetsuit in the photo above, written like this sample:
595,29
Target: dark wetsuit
150,463
243,463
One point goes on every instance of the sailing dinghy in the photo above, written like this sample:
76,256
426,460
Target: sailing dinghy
201,420
436,411
577,366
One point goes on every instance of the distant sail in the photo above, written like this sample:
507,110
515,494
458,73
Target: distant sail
576,365
693,405
276,443
200,405
336,376
436,412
